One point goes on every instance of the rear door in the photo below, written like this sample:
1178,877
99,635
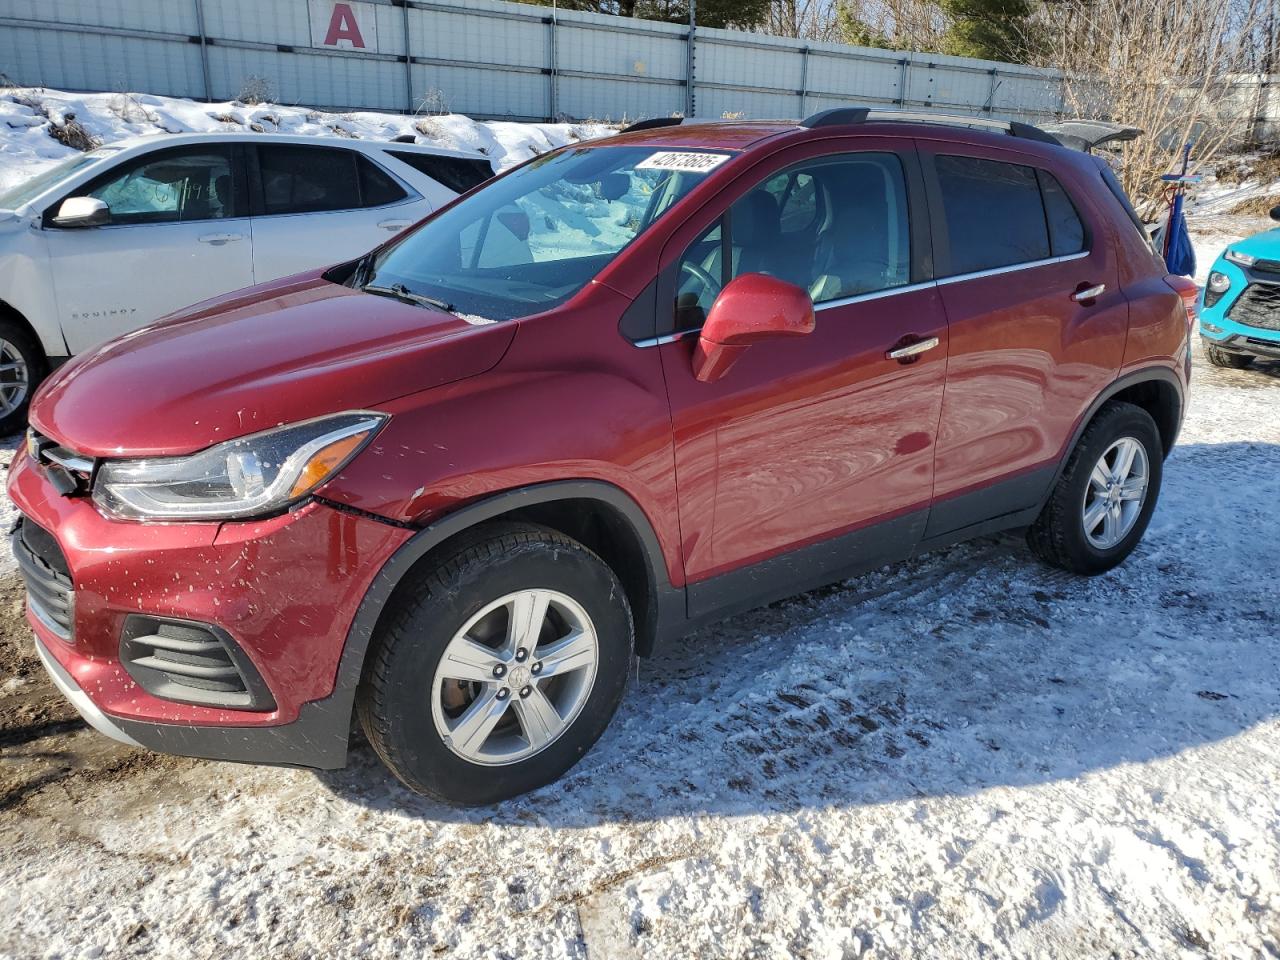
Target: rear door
317,205
178,234
807,440
1017,247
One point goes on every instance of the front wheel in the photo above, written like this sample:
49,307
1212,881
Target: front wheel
22,368
1103,501
501,666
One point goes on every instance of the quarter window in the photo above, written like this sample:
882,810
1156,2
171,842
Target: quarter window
837,227
459,174
174,186
377,189
1066,232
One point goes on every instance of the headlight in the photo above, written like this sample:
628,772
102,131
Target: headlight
1219,282
248,477
1244,259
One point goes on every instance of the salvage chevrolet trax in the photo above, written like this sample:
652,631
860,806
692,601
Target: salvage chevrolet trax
630,387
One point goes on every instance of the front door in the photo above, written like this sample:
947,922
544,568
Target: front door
177,235
823,441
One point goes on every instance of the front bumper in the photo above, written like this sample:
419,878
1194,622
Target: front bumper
1247,345
285,590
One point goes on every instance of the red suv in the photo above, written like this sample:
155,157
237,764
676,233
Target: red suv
628,388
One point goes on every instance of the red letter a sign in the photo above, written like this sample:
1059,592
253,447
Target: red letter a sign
343,26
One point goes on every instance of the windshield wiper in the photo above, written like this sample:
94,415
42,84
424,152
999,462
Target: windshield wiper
401,292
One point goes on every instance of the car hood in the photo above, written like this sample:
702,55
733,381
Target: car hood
278,353
1262,245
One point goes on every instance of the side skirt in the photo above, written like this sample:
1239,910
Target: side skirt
976,514
806,568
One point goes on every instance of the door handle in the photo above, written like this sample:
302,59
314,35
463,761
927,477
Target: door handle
912,349
218,239
1089,293
395,226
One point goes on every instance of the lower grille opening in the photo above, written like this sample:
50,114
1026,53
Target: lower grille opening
44,570
191,663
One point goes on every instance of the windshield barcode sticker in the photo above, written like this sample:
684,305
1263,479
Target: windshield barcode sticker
679,160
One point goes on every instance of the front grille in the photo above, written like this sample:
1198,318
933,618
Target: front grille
191,663
1258,306
1267,266
50,593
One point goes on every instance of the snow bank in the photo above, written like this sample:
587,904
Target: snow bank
34,122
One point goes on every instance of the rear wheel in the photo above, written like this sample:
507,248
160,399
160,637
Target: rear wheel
22,367
1102,503
501,666
1225,358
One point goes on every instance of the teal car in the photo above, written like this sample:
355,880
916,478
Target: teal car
1240,303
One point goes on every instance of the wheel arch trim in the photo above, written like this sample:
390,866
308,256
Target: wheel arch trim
669,600
1134,378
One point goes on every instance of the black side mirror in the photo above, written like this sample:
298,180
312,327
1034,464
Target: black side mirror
1275,212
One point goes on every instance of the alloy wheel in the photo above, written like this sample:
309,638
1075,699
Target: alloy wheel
515,677
1115,494
14,379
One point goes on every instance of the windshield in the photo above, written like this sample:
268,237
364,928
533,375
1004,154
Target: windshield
531,240
27,190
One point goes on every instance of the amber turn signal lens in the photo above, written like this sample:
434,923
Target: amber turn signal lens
325,461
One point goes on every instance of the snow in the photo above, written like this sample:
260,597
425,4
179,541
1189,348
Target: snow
28,114
964,755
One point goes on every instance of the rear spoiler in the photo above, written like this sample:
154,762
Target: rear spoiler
1087,134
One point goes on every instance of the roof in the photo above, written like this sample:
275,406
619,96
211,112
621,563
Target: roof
240,136
723,134
852,121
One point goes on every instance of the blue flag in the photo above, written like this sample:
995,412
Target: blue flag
1179,254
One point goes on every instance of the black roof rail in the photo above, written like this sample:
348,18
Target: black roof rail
652,123
837,117
844,116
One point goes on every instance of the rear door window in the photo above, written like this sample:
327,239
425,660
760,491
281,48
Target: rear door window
993,211
300,179
305,179
459,174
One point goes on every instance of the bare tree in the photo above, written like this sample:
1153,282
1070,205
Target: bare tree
917,25
1166,66
809,19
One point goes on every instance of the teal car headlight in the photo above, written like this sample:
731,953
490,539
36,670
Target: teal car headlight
1217,285
1244,259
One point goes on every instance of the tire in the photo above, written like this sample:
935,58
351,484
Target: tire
1225,358
17,339
476,575
1058,536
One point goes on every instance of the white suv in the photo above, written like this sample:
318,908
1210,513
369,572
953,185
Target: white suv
110,240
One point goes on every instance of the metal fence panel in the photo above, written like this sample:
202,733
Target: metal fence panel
161,16
494,59
69,60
